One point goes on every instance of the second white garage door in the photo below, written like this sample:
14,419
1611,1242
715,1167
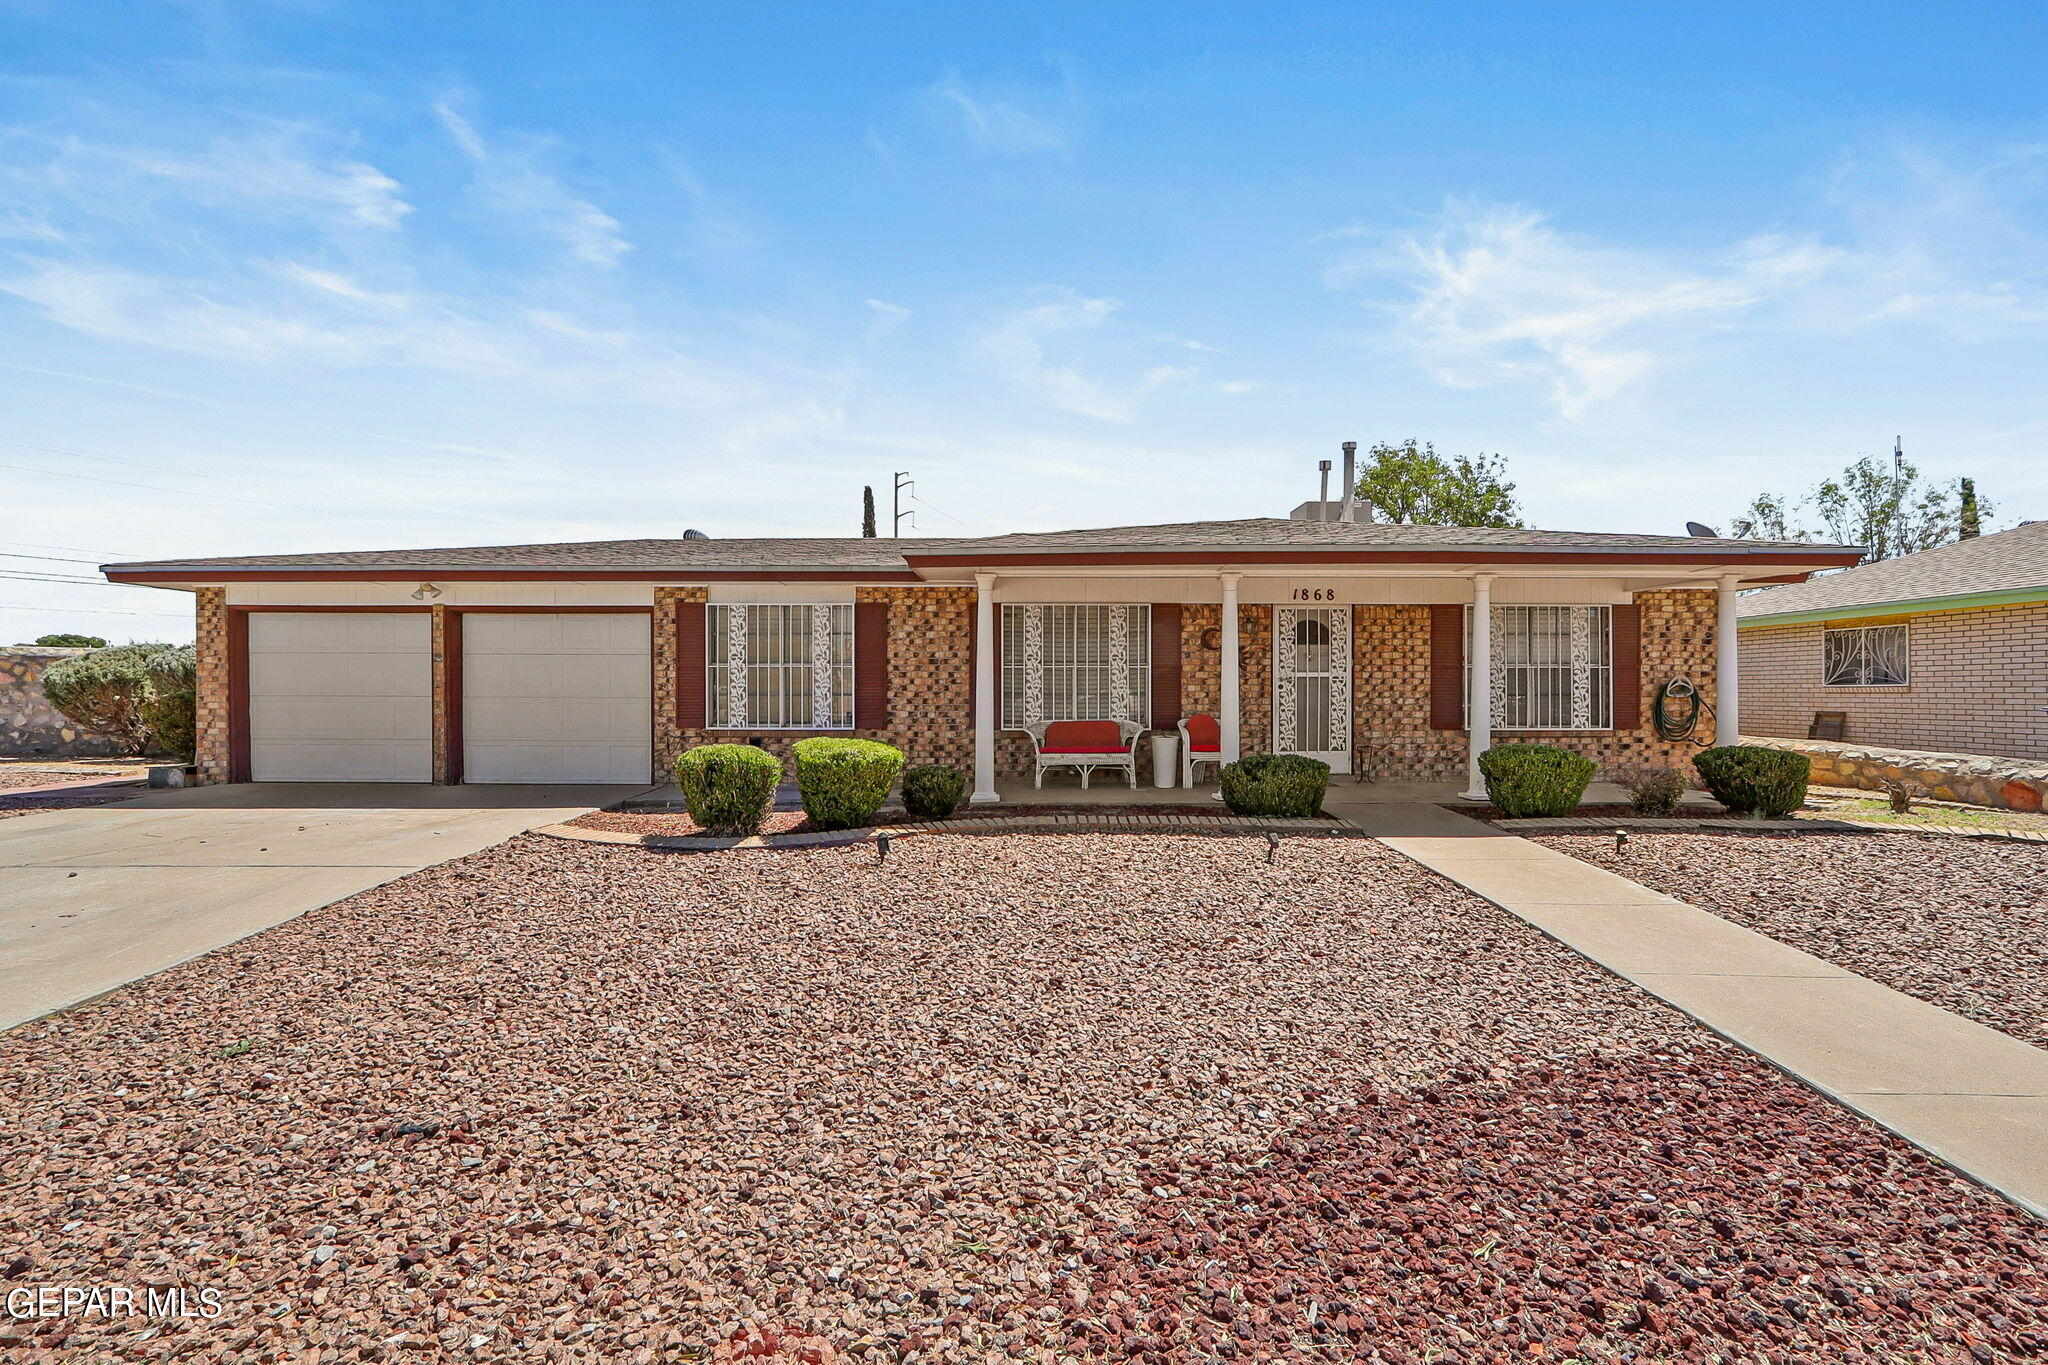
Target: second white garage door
556,697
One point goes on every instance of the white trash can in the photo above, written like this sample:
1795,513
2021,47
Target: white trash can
1165,760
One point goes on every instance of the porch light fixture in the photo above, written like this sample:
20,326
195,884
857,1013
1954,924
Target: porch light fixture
425,592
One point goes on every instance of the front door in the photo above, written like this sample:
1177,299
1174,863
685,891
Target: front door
1312,683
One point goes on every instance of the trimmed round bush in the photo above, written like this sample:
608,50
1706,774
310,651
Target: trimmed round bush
1535,779
172,708
1749,778
727,788
104,691
933,791
844,781
1275,785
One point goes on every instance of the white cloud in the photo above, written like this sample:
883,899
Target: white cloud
517,184
1004,125
887,318
1497,295
1020,344
275,169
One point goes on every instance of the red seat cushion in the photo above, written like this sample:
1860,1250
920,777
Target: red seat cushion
1205,736
1083,737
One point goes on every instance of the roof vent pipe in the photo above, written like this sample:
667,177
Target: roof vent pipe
1350,480
1323,491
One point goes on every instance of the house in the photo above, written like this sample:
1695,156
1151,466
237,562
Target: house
1943,650
601,662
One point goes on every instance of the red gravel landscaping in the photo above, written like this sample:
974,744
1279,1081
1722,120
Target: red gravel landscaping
1960,923
559,1101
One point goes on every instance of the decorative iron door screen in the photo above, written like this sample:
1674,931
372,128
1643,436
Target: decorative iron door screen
1312,683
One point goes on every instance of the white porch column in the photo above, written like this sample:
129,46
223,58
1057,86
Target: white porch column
1232,748
1727,698
984,691
1479,687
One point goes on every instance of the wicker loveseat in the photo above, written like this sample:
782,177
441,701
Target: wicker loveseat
1084,744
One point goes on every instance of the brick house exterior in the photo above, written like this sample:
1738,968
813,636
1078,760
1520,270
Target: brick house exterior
1966,626
437,685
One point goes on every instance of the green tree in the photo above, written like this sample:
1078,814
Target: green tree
105,691
1412,485
66,640
867,513
1889,511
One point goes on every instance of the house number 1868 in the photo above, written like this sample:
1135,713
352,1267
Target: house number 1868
1315,594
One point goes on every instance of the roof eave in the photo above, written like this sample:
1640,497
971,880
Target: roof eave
1961,601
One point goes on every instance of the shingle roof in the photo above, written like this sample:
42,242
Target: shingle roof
853,552
2004,562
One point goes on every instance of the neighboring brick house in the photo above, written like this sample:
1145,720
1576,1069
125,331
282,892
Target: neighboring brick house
1944,650
600,662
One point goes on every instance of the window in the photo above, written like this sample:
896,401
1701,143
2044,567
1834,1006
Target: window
774,667
1864,656
1553,668
1075,663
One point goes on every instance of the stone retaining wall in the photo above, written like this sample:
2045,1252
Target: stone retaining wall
1978,779
29,725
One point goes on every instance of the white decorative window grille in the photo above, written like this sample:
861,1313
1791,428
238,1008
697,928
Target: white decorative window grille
776,667
1864,656
1553,668
1075,663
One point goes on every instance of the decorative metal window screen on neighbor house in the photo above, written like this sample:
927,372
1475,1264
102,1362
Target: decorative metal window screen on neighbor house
1553,668
1075,663
1864,656
774,667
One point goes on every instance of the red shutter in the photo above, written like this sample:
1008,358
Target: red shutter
1165,665
1447,667
1626,628
871,665
690,665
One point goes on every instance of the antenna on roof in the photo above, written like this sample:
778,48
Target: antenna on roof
1693,528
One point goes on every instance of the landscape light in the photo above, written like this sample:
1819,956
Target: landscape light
1620,840
1272,847
881,848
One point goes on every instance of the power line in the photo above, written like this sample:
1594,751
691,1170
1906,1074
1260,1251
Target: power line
54,559
943,512
153,487
32,576
111,459
82,549
96,611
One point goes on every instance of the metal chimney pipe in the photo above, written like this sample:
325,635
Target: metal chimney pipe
1323,491
1350,479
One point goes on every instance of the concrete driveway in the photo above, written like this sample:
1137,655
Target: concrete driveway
93,898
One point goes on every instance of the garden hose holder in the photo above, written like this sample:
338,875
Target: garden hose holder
1677,711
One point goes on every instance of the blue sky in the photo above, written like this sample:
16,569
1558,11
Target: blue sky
310,276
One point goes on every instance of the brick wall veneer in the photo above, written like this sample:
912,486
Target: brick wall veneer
1977,683
210,646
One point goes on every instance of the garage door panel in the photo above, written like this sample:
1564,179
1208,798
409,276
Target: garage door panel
342,718
340,697
351,760
556,697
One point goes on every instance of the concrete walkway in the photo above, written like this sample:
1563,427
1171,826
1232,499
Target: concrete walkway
1970,1095
93,898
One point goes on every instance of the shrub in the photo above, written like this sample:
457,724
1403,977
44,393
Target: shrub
1534,779
844,781
1651,790
66,640
727,788
933,791
1749,777
172,708
104,691
1275,785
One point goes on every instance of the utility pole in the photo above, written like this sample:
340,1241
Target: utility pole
897,514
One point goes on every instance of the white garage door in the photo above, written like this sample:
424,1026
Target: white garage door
556,697
340,697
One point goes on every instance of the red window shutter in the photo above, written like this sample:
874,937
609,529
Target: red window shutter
1165,665
690,665
871,665
1447,667
1626,627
